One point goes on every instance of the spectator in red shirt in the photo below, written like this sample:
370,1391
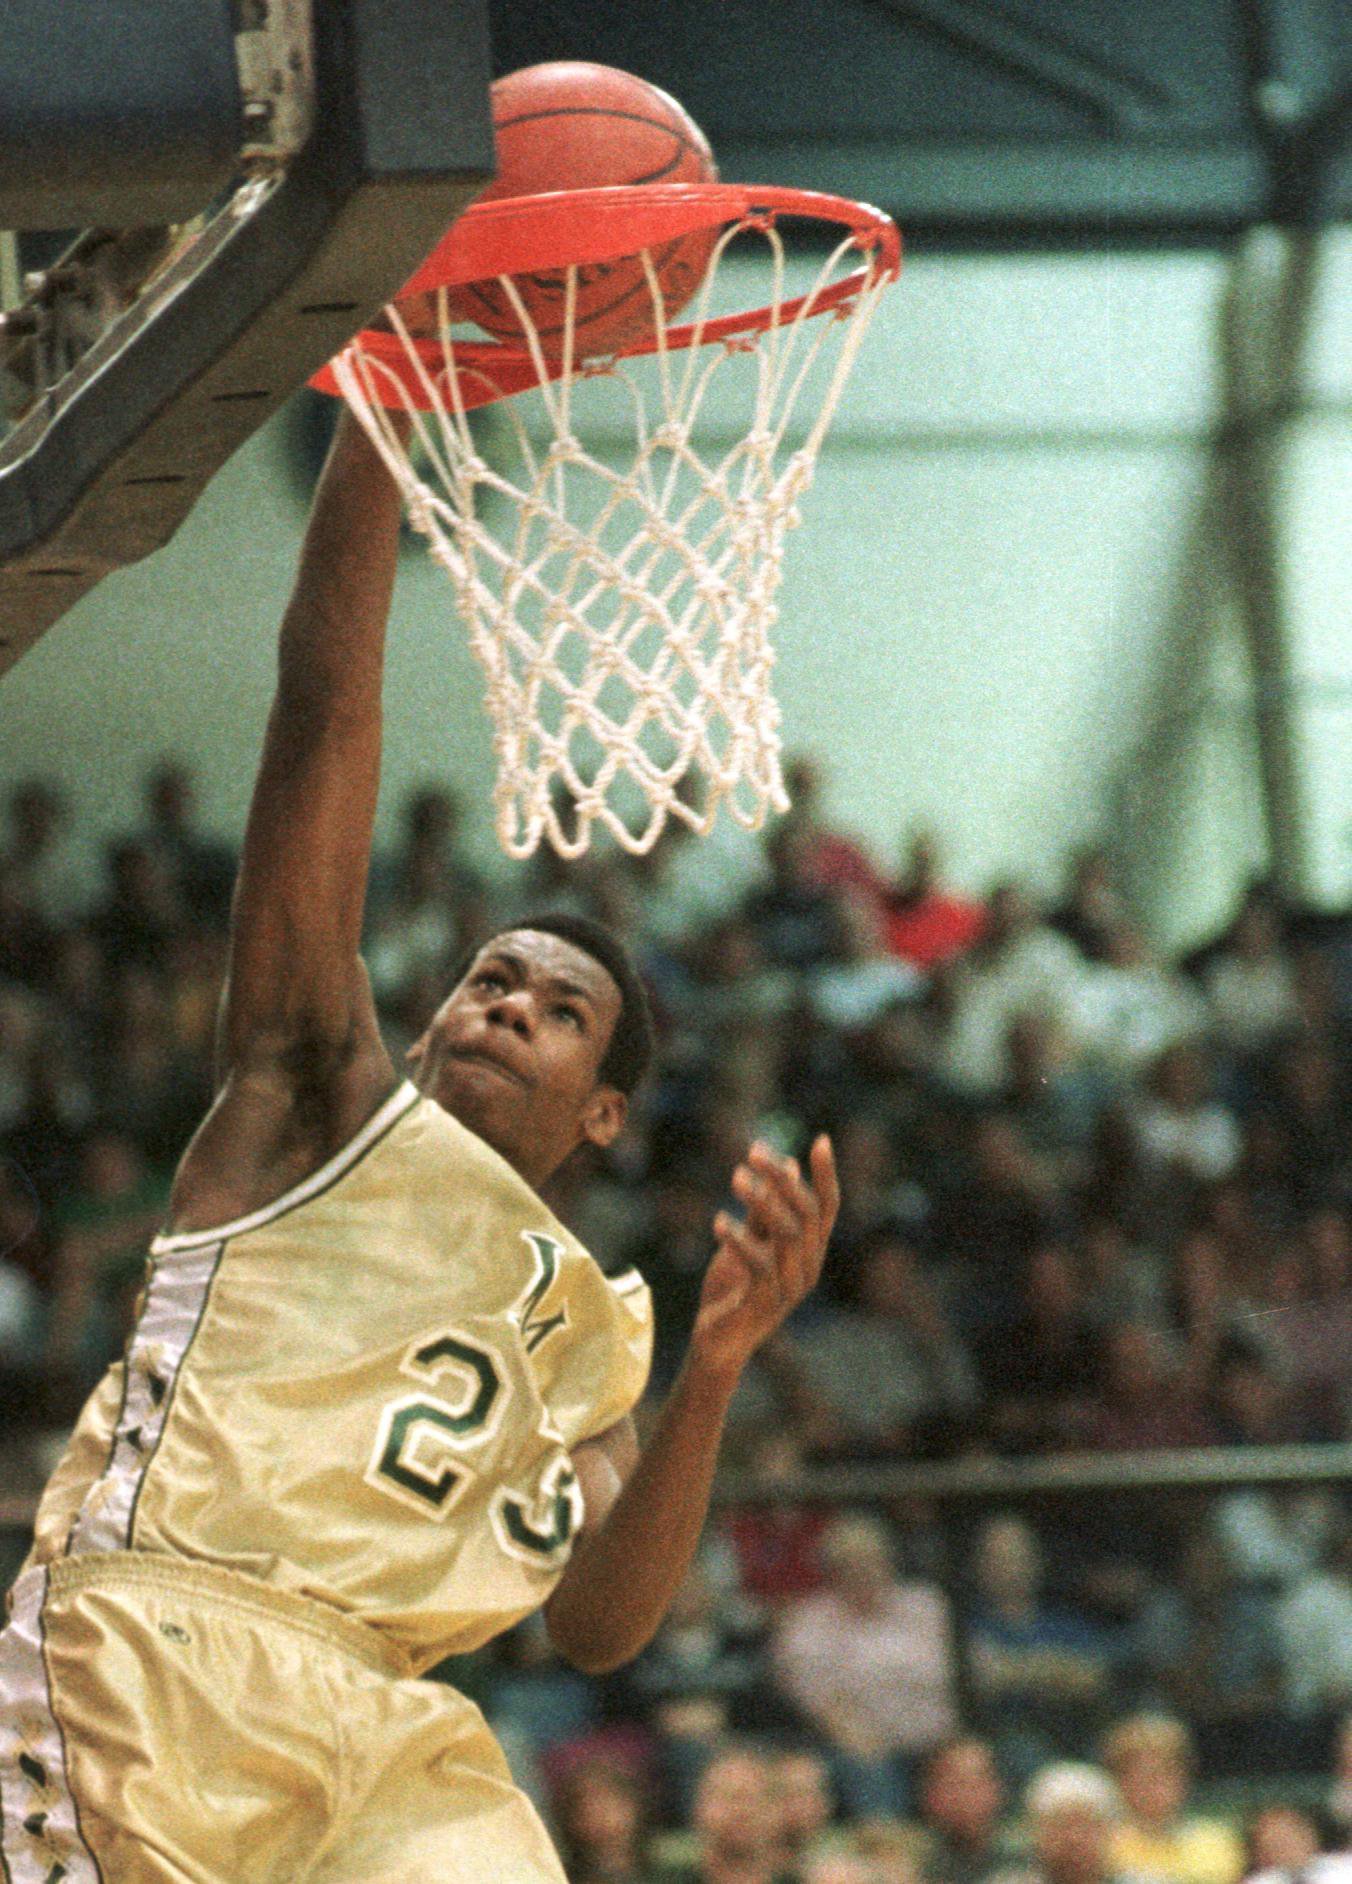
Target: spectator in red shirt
926,924
776,1545
834,861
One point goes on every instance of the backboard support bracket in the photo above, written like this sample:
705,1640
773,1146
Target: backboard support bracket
106,463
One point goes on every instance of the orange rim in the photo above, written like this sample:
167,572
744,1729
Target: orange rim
527,234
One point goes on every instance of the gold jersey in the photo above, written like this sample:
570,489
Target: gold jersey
365,1393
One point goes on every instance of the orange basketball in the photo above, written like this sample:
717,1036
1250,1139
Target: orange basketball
569,125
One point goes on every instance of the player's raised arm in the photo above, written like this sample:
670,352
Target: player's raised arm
297,1001
645,1511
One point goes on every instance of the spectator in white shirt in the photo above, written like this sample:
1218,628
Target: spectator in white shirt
1127,1007
1180,1127
1019,966
892,1360
1314,1622
1251,983
868,1660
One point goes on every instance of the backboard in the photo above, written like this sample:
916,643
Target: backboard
257,189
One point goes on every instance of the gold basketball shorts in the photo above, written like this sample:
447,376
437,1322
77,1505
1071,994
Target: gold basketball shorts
164,1722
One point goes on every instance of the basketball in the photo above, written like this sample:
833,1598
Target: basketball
569,125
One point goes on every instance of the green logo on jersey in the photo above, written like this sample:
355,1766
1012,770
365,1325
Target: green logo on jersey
547,1251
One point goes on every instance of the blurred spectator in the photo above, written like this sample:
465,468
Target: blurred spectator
868,1662
672,1253
1040,1370
537,1704
776,1544
1073,1815
874,1197
1151,1758
1126,1007
1053,1095
1184,1132
1314,1621
1018,966
200,869
687,884
959,1800
1272,1535
852,990
115,1206
737,1823
835,861
40,857
20,1019
925,924
145,1085
58,1108
702,1676
1338,1799
889,1365
1281,1836
1250,981
425,907
733,979
802,1782
1308,1329
25,939
142,911
600,1819
1039,1672
1146,1402
997,1204
799,923
428,850
1310,1095
1123,1280
1094,905
1206,1647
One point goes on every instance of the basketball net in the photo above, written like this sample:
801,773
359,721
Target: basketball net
621,602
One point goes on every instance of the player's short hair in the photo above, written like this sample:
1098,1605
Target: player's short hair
631,1044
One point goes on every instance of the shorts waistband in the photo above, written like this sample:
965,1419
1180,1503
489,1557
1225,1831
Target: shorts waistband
144,1569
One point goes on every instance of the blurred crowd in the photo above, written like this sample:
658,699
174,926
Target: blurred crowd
1095,1201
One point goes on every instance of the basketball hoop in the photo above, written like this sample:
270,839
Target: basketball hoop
622,614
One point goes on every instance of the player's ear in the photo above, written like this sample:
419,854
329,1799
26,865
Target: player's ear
603,1116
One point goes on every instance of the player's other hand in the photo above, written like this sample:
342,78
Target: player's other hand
765,1264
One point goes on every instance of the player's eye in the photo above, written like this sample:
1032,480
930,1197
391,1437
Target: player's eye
564,1010
489,978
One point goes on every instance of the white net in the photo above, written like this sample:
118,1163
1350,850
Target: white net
621,596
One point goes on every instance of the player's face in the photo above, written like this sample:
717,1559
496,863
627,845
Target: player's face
515,1051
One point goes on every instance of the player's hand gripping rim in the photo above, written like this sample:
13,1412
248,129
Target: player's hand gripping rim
768,1262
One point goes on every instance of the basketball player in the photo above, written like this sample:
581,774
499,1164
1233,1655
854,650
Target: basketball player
376,1404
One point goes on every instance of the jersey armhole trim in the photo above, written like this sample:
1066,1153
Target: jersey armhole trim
401,1100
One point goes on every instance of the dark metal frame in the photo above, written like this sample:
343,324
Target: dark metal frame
104,469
